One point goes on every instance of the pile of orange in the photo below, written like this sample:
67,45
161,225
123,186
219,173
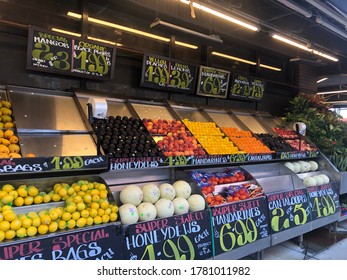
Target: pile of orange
245,141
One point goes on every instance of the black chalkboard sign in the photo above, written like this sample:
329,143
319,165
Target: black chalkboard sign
213,82
167,74
288,209
53,52
324,201
93,243
245,87
181,237
240,223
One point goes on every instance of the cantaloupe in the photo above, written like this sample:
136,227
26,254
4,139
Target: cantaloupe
167,191
147,211
128,214
182,189
131,194
151,193
196,202
181,206
165,208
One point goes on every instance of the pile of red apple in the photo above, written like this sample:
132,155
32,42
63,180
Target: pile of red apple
176,139
293,139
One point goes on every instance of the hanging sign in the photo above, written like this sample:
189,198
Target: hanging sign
213,82
288,209
180,237
239,223
57,53
167,74
247,87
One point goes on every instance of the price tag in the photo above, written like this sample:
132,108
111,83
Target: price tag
213,82
288,209
180,237
239,223
167,74
324,201
247,87
176,161
238,157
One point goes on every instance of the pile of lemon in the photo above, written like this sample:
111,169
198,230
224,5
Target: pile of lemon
86,204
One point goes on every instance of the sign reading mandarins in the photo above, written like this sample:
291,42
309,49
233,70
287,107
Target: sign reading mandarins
167,74
213,82
56,53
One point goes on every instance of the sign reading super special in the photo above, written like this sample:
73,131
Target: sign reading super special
53,52
181,237
103,243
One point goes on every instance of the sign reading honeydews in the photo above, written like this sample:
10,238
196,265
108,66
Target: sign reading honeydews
213,82
60,54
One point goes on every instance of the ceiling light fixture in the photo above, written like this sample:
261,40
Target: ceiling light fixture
331,27
332,92
302,46
321,80
245,61
131,30
292,5
221,15
158,22
66,32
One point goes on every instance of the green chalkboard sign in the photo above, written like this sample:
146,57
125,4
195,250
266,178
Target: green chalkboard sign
57,53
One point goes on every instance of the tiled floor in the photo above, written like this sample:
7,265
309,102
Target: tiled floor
320,244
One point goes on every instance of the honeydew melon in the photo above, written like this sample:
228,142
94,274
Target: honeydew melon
319,180
131,194
196,202
128,214
165,208
296,167
325,178
304,166
147,211
289,165
151,193
314,165
181,206
309,181
167,191
182,189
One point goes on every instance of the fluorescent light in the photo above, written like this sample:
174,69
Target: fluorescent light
66,32
321,80
332,92
270,67
290,4
221,15
245,61
132,30
234,58
303,47
331,27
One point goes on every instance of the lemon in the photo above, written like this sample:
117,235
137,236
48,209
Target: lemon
93,212
77,188
105,218
59,210
21,232
95,198
62,224
26,222
76,215
70,191
5,226
10,216
31,231
1,217
95,205
53,214
2,235
42,229
28,200
32,214
87,198
14,193
7,199
81,206
10,234
16,224
81,222
62,192
6,207
94,191
19,201
7,188
77,199
108,211
101,212
104,204
6,211
103,194
2,194
90,221
53,226
81,193
66,216
114,209
97,220
71,208
71,224
101,187
46,198
113,217
85,213
56,197
38,199
36,221
57,187
84,188
33,191
22,191
45,219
